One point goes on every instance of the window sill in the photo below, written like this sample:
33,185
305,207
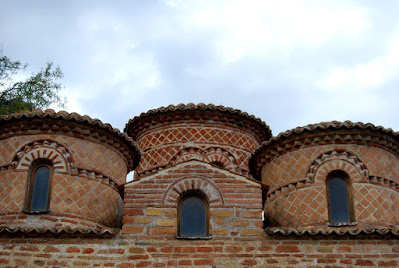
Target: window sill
340,224
193,237
36,211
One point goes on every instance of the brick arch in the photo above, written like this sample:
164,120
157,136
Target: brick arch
186,154
59,155
337,160
209,155
202,184
217,154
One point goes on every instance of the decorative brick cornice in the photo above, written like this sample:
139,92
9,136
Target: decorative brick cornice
49,122
330,231
198,112
322,134
60,230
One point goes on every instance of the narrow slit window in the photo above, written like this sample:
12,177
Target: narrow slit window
339,200
39,189
193,217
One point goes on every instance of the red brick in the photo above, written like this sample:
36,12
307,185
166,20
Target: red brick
203,262
50,249
88,251
391,263
249,262
204,249
364,263
72,250
185,262
144,264
287,249
29,248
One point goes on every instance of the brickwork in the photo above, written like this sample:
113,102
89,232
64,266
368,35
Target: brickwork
294,166
213,142
234,201
223,155
297,176
84,154
338,251
88,164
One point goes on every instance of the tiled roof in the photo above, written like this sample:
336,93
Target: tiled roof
332,125
199,107
323,133
129,149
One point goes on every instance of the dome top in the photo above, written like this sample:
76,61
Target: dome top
49,120
324,133
197,111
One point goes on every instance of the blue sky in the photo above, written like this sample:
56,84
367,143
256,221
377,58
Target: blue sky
290,63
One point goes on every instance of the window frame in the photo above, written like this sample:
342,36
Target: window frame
204,199
31,183
344,176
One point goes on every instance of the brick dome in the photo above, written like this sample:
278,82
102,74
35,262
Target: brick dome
87,160
296,165
214,134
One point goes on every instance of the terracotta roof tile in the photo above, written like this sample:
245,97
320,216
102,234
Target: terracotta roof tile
81,120
198,107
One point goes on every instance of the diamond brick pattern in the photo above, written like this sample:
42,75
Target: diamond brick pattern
90,199
97,157
84,153
379,162
304,207
9,147
294,166
376,204
12,191
289,168
198,134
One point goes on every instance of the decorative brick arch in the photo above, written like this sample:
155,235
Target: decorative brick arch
337,160
209,155
204,185
186,154
59,156
217,154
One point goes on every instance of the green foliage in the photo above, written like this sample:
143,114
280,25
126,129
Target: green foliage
38,91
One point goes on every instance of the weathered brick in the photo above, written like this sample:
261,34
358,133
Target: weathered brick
166,222
154,211
221,213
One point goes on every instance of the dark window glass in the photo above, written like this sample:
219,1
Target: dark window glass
193,217
338,197
41,182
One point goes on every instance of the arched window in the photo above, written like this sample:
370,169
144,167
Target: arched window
339,199
38,195
193,218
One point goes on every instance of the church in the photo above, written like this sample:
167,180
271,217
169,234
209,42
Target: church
212,187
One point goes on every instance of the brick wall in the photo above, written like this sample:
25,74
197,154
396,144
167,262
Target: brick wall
269,251
84,184
298,196
235,202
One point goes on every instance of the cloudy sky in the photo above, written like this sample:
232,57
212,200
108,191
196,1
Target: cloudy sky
290,63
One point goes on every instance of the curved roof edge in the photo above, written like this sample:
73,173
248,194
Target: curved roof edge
129,150
267,134
324,127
